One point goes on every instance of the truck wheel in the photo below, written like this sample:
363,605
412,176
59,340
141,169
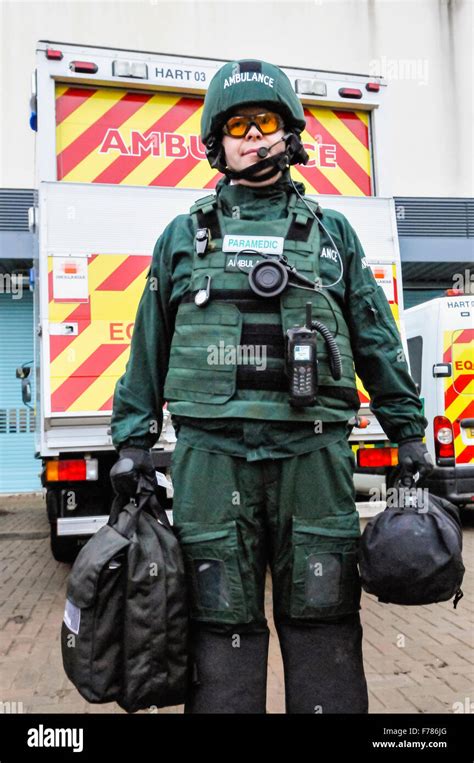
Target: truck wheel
63,549
466,512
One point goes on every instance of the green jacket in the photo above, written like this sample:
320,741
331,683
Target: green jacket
376,345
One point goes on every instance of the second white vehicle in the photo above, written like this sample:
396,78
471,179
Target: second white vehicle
440,336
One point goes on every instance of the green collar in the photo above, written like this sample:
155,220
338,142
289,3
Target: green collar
282,184
270,201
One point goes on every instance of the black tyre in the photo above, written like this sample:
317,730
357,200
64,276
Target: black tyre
467,514
63,549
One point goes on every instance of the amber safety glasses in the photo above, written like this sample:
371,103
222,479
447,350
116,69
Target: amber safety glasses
267,123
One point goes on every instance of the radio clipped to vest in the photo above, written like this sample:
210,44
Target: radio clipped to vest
269,278
302,360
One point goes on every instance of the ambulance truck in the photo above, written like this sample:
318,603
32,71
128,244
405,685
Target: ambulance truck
118,155
440,336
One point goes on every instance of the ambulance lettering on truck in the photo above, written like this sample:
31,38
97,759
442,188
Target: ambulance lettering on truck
441,347
118,156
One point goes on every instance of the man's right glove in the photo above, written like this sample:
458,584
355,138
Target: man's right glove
413,457
134,465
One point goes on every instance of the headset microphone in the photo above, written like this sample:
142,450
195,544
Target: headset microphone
264,151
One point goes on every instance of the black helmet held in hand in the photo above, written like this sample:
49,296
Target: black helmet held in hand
412,554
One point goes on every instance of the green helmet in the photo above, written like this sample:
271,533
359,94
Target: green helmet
240,83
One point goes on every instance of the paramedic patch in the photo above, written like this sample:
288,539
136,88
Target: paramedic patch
267,244
238,262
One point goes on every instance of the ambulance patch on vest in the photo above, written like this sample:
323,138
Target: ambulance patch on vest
235,263
267,244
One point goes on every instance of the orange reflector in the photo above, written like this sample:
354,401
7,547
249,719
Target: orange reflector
52,471
362,422
377,457
66,470
454,292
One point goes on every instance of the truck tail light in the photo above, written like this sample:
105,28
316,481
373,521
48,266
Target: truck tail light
54,55
368,457
72,470
350,92
83,66
443,437
373,87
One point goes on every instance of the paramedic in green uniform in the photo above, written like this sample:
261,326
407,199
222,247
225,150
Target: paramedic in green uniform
259,479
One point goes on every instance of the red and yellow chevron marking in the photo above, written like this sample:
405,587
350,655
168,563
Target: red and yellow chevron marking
380,273
112,135
458,349
337,142
85,368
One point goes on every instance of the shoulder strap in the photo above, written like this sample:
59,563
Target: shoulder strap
204,214
301,208
206,204
303,220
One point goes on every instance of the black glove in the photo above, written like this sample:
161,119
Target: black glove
413,457
134,466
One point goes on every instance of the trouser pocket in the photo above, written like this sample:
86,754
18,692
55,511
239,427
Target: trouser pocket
212,563
325,577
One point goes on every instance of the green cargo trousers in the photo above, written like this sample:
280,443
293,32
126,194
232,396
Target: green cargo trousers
297,515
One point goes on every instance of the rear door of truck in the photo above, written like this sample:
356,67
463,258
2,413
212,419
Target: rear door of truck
119,121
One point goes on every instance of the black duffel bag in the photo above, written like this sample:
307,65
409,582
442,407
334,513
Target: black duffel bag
125,631
411,553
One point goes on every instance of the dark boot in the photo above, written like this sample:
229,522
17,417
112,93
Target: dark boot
228,678
323,666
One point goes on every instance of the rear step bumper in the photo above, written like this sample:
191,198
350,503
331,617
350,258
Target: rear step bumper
455,483
74,526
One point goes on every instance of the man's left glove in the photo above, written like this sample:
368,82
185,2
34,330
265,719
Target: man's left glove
413,457
133,466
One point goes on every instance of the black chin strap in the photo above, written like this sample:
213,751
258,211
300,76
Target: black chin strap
294,153
273,165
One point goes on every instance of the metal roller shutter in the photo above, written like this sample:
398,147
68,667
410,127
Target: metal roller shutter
18,466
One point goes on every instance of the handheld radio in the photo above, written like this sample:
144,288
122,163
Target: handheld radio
302,362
